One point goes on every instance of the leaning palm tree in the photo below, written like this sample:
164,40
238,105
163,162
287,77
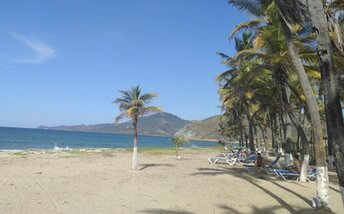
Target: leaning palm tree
132,105
284,15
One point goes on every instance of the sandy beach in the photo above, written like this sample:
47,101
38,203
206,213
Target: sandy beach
104,183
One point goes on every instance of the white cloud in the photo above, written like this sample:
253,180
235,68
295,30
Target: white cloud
42,50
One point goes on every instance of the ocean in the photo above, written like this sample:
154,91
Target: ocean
24,139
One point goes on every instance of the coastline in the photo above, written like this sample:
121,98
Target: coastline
171,149
22,139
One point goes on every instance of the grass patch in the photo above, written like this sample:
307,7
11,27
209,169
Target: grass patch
182,150
86,152
157,150
23,154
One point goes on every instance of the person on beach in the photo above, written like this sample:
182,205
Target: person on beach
296,167
244,154
260,163
259,160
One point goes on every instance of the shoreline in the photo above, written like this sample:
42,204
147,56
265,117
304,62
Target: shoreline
112,133
99,150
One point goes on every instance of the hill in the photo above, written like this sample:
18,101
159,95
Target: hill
204,129
162,124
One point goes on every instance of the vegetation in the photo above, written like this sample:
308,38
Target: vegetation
285,73
133,104
204,129
177,141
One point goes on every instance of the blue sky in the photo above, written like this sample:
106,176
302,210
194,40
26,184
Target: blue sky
63,61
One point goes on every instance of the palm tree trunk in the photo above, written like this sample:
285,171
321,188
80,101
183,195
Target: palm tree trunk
329,140
241,133
331,89
135,145
291,116
265,140
272,127
320,155
177,154
250,135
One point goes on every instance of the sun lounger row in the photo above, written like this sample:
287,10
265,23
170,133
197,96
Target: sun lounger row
271,168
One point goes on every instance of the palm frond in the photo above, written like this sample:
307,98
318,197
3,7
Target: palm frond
121,117
224,75
313,72
336,5
251,7
293,11
126,95
223,55
248,25
248,53
150,110
147,97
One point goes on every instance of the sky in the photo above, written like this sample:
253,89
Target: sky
62,62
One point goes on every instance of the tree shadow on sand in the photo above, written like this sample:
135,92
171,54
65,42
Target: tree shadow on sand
148,165
334,189
163,211
271,210
241,173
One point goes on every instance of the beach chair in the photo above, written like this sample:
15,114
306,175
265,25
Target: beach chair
250,165
226,154
274,163
230,161
284,174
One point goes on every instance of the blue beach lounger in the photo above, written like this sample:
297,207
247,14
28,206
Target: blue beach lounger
274,163
284,174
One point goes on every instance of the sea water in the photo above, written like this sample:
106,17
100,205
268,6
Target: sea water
24,138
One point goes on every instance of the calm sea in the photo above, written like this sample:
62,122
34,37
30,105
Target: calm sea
20,138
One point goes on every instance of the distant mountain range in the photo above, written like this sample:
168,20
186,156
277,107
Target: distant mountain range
161,124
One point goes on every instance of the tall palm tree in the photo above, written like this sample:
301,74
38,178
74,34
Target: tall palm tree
132,105
334,116
283,14
325,51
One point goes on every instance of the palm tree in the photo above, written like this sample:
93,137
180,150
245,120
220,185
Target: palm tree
132,105
283,14
178,140
334,116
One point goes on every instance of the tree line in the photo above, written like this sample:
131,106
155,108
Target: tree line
288,72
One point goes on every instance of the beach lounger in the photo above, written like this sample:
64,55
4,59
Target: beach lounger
284,174
230,161
227,154
234,153
274,163
250,164
249,161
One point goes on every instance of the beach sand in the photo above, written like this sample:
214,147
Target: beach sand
104,183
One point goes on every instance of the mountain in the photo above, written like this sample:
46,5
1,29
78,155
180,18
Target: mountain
204,129
161,124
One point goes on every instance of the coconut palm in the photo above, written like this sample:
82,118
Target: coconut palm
334,116
132,105
177,141
283,15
